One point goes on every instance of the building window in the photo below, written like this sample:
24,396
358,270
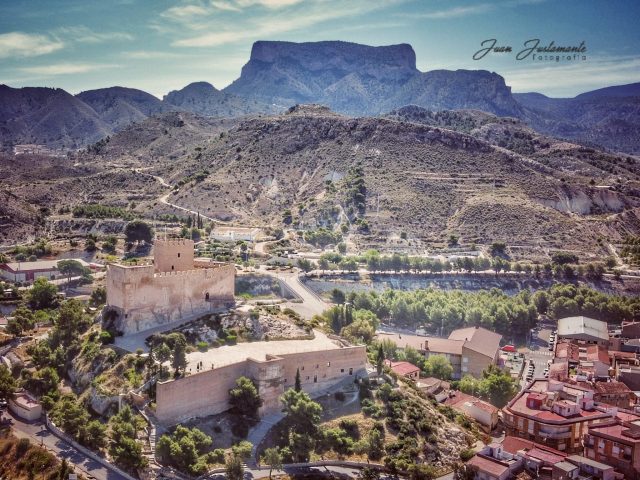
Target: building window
178,255
328,364
351,371
317,365
302,368
307,378
342,370
171,267
315,379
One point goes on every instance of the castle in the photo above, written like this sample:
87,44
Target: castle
323,362
140,297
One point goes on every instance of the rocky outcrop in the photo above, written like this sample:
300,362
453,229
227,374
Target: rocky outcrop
360,79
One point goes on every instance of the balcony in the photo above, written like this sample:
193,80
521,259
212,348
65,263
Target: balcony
555,435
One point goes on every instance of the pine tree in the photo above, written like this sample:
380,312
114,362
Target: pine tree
298,385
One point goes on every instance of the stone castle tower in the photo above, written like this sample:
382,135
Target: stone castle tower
140,297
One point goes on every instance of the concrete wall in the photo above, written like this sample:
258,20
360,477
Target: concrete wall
206,393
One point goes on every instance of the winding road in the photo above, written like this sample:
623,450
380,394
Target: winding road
39,435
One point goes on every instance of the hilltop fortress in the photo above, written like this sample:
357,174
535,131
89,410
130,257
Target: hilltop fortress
140,297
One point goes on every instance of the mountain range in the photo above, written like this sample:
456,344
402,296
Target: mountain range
351,79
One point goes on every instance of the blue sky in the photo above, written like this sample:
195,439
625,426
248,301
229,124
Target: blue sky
161,45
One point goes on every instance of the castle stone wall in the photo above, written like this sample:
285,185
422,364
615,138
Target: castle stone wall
149,296
206,393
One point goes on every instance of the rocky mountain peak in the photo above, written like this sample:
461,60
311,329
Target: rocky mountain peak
335,54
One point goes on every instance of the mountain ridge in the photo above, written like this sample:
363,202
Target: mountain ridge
348,78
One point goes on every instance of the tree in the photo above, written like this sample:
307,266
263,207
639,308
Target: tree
8,384
273,458
438,366
337,296
23,319
70,268
234,468
124,449
302,415
138,231
244,398
305,265
380,359
342,247
298,384
94,435
179,360
43,294
497,386
71,321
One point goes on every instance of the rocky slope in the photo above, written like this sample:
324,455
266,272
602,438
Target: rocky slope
469,173
47,116
609,117
120,107
424,180
204,99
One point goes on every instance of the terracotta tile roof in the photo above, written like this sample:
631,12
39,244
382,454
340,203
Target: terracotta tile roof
597,352
567,351
559,371
489,465
514,444
612,387
403,368
545,456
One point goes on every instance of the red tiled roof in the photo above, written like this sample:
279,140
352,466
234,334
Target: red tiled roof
621,354
545,456
568,351
403,368
597,352
614,431
491,466
612,387
559,371
514,444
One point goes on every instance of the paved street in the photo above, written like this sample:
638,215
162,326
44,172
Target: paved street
38,434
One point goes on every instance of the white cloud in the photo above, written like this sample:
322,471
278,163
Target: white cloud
149,54
279,23
456,12
19,44
82,34
184,12
273,4
65,68
225,5
569,78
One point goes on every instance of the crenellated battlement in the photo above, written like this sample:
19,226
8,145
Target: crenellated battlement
173,287
174,242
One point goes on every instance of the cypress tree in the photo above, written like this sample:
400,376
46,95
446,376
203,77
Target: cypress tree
298,385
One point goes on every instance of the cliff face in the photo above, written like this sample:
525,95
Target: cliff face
359,79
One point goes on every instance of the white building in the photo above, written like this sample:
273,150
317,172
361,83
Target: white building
234,234
584,329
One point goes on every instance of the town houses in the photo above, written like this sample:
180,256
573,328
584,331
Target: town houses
581,419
